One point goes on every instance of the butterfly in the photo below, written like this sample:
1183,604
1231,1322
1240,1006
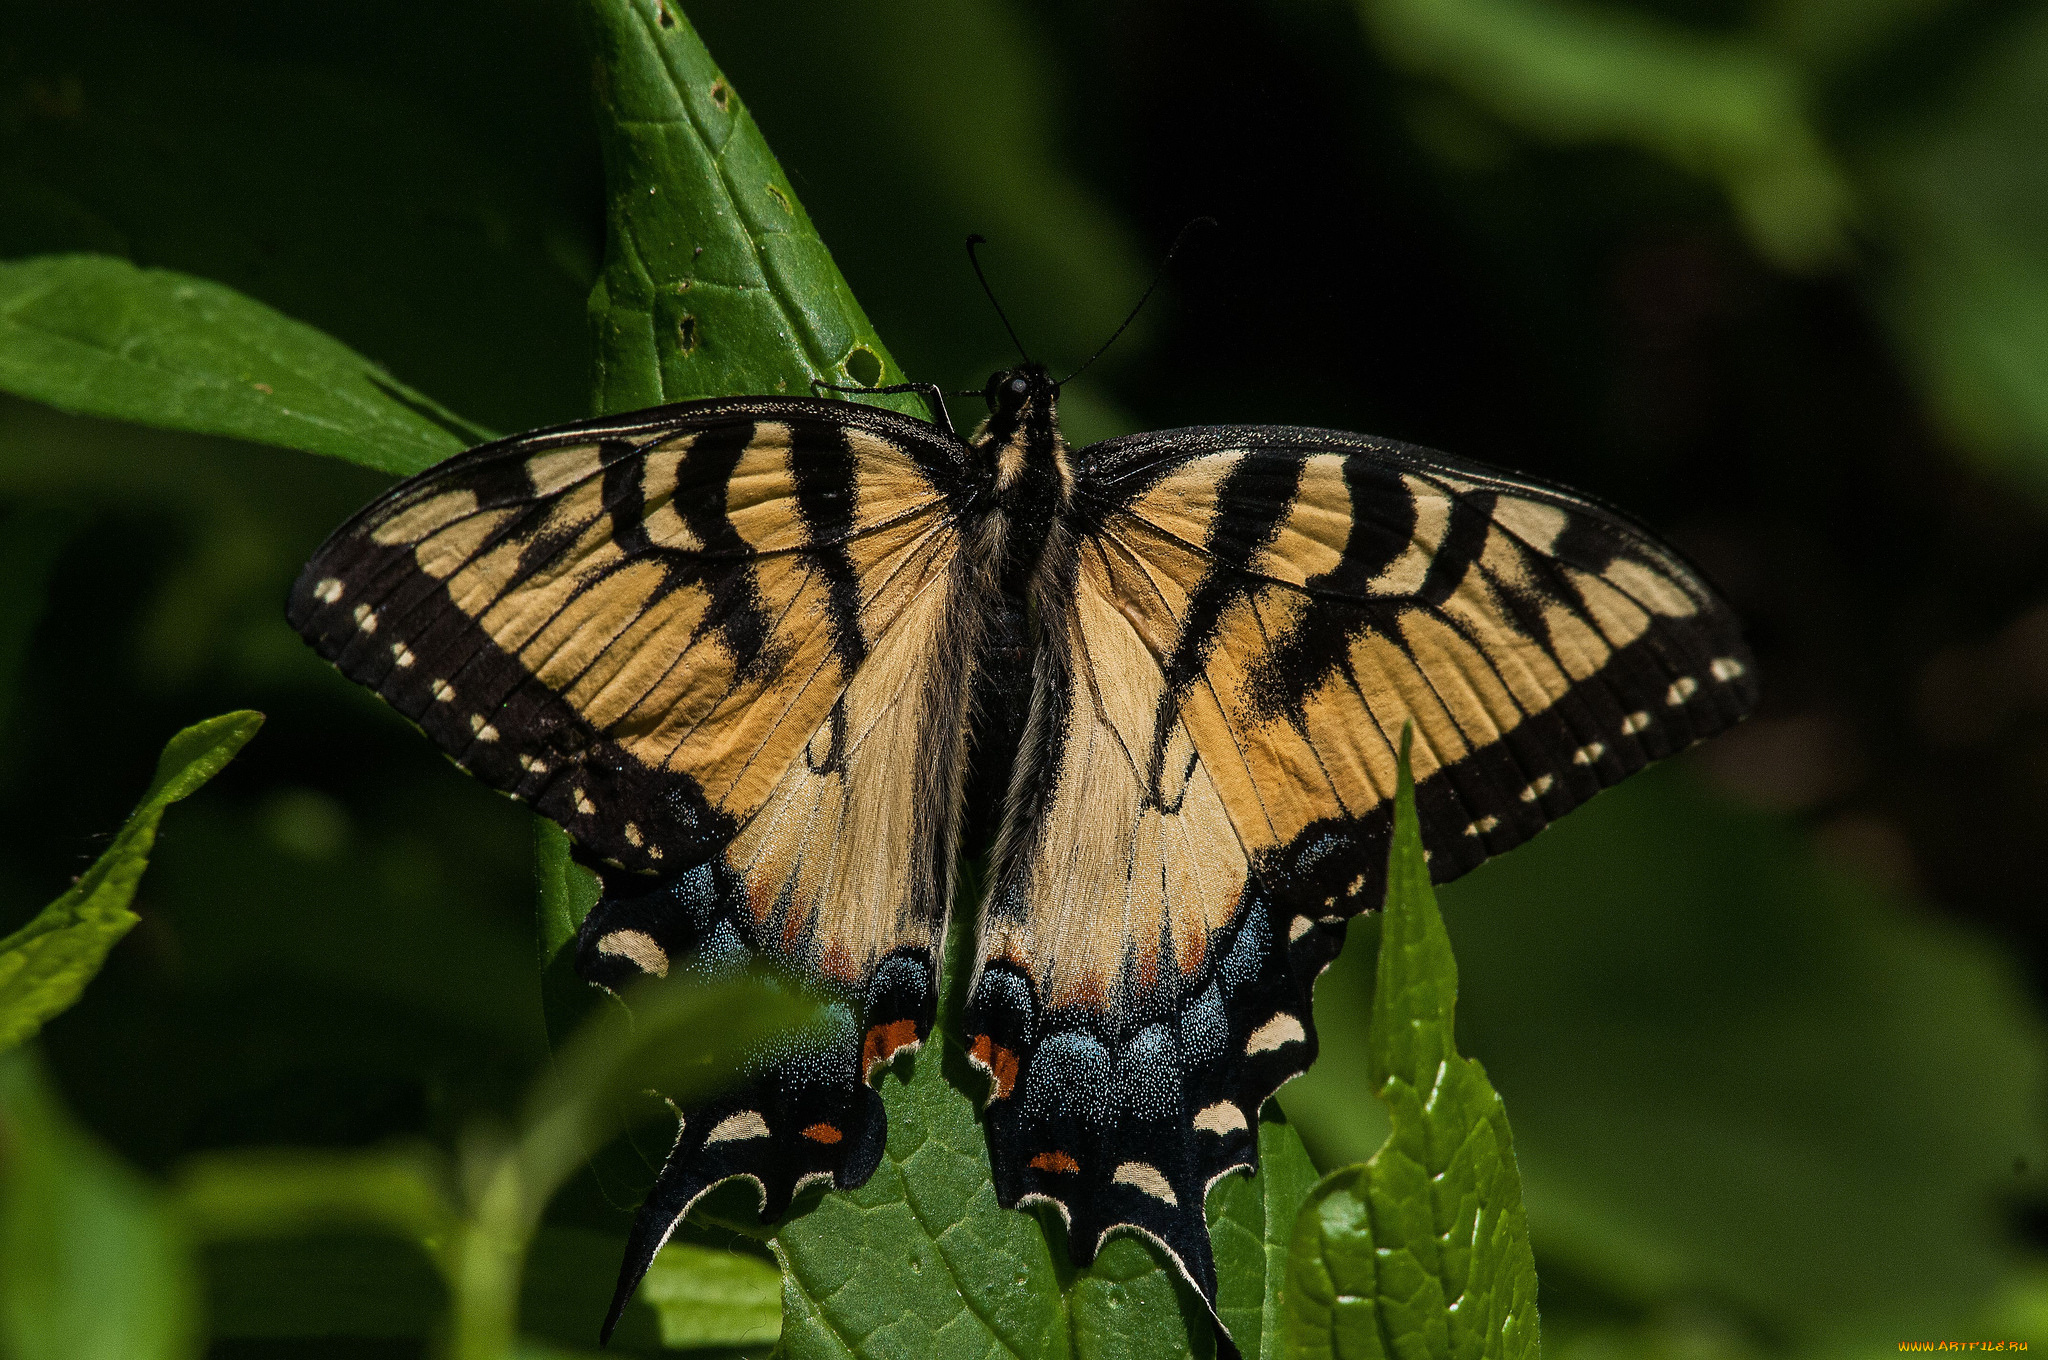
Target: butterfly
774,663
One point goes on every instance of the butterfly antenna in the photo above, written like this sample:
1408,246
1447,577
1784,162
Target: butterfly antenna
1171,251
979,240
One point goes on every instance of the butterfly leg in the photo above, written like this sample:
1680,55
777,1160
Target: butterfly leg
929,391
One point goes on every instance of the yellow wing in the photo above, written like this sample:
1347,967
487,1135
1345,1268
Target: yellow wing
723,631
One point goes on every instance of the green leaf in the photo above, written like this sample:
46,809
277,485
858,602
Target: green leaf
705,1297
95,335
1424,1249
284,1192
92,1266
564,893
46,964
715,282
1251,1223
922,1256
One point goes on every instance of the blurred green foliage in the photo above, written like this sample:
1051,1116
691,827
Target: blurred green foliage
1765,1104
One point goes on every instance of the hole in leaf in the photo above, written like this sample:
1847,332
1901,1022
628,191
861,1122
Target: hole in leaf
721,94
864,366
781,199
686,335
662,16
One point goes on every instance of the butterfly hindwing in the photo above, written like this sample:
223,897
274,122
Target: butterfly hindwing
1234,635
725,645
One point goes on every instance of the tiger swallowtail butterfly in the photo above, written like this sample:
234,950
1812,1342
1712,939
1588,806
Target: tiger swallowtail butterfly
777,663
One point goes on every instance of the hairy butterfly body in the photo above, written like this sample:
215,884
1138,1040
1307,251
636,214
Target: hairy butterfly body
775,661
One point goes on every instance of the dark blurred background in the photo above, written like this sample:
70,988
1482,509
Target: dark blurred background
1773,276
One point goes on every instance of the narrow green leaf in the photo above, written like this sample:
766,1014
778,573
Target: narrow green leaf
1423,1251
285,1192
695,1296
1251,1223
715,282
564,893
92,1266
46,964
94,335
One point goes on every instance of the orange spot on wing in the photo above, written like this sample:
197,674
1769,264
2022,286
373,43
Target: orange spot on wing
823,1133
837,963
793,924
1055,1161
998,1062
1088,991
882,1043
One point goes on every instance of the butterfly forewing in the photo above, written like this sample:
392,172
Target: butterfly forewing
1237,633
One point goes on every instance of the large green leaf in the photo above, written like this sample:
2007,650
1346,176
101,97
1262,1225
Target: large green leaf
1423,1251
92,1266
921,1260
46,964
715,283
95,335
704,1297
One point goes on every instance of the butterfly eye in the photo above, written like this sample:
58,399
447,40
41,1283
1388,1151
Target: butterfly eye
1018,387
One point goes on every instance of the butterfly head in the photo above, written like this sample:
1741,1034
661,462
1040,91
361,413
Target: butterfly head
1012,391
1021,437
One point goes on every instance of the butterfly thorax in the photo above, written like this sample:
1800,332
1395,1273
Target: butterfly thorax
1026,461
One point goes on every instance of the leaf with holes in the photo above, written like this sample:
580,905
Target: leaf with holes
1423,1250
715,282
